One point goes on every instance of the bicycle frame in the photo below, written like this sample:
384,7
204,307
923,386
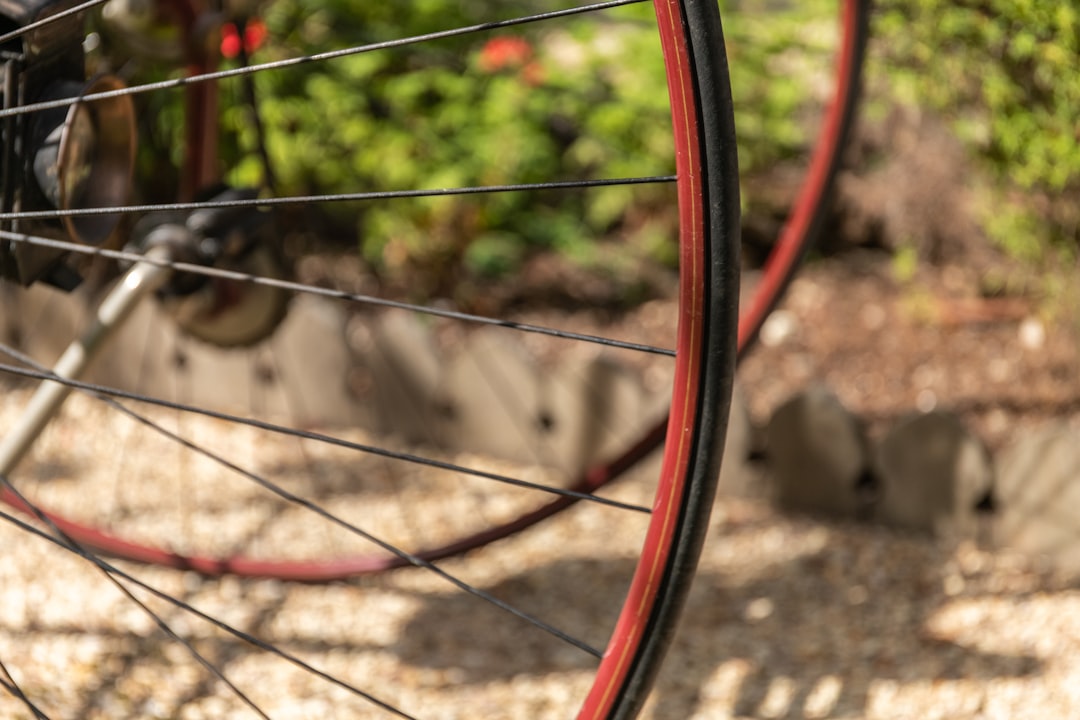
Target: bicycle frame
200,99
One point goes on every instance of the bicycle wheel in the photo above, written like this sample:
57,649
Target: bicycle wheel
589,472
812,194
194,521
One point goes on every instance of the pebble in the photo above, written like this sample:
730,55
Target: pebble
778,328
1032,334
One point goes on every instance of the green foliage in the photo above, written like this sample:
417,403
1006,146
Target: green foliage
518,106
582,98
782,60
905,264
1018,232
1006,73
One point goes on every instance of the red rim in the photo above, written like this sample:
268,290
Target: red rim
633,622
799,231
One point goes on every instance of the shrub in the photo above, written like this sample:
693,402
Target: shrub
1005,73
577,99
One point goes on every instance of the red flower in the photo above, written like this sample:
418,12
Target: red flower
511,53
504,52
254,36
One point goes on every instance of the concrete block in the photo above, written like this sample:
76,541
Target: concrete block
1037,496
933,472
817,455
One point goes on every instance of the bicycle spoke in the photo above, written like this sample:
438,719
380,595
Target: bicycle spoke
292,498
61,541
12,687
37,25
412,559
270,202
319,437
317,57
8,487
329,293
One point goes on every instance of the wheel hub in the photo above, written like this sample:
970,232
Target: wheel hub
221,311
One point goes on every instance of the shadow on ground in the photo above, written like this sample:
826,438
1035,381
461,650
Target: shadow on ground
826,624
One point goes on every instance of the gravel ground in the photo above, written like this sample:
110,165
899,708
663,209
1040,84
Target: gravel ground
81,649
789,617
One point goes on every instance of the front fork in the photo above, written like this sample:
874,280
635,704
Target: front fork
142,279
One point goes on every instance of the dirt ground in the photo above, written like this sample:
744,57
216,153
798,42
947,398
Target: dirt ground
888,349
